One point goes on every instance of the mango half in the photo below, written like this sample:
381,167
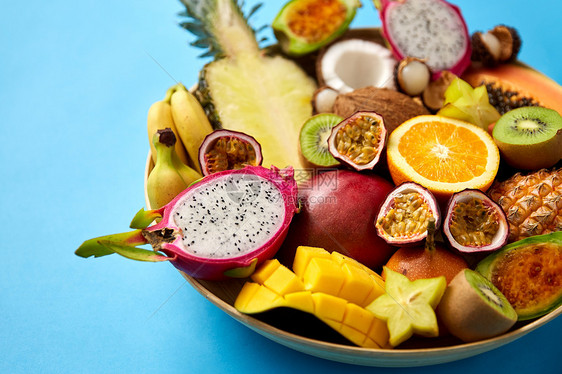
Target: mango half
529,273
332,287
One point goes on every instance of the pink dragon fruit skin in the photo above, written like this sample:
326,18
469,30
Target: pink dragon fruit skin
169,240
420,43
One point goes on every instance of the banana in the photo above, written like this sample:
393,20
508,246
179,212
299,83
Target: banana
191,122
170,176
159,118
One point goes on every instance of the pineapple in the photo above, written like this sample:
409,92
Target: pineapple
532,203
243,89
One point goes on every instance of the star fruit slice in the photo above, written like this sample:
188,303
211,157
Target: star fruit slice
409,307
469,104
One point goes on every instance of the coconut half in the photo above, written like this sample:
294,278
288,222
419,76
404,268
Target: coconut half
355,63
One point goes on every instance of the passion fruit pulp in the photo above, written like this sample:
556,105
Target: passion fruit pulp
404,215
358,140
474,222
227,150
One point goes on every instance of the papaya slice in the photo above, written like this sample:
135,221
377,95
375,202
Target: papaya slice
516,85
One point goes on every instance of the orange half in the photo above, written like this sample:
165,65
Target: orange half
442,154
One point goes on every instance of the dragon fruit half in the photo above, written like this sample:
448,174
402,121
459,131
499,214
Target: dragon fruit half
220,227
433,30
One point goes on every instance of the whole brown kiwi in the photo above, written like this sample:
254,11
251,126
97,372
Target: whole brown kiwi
472,308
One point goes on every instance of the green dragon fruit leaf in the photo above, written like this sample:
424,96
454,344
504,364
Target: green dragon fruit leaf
93,247
134,253
125,244
144,218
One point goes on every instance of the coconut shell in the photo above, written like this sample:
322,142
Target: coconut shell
393,106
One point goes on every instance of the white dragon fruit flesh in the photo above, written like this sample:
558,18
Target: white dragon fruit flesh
220,227
433,30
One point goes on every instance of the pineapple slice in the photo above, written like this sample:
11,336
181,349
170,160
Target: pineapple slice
268,98
245,90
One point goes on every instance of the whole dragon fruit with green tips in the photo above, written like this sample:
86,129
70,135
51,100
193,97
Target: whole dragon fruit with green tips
221,227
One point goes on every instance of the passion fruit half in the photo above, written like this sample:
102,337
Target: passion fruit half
358,140
475,223
404,215
227,150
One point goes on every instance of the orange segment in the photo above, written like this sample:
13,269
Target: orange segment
442,154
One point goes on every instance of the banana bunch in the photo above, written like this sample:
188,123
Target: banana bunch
159,118
191,122
176,127
170,176
183,114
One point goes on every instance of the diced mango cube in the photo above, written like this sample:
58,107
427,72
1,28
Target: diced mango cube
377,290
341,258
379,333
300,300
370,343
303,256
245,295
323,275
283,281
333,324
255,298
357,285
265,270
353,335
328,306
358,318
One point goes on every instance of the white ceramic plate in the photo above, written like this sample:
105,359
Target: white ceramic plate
306,336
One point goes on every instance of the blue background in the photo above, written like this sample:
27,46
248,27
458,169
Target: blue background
76,81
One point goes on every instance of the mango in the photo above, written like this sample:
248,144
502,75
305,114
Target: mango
332,287
338,275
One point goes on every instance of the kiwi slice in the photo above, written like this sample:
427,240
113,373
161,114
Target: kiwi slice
530,137
472,308
313,140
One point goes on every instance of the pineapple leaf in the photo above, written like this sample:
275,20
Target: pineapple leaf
195,28
221,26
209,53
201,43
252,11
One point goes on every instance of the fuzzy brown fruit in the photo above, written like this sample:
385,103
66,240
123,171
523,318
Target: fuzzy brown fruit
472,308
338,211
